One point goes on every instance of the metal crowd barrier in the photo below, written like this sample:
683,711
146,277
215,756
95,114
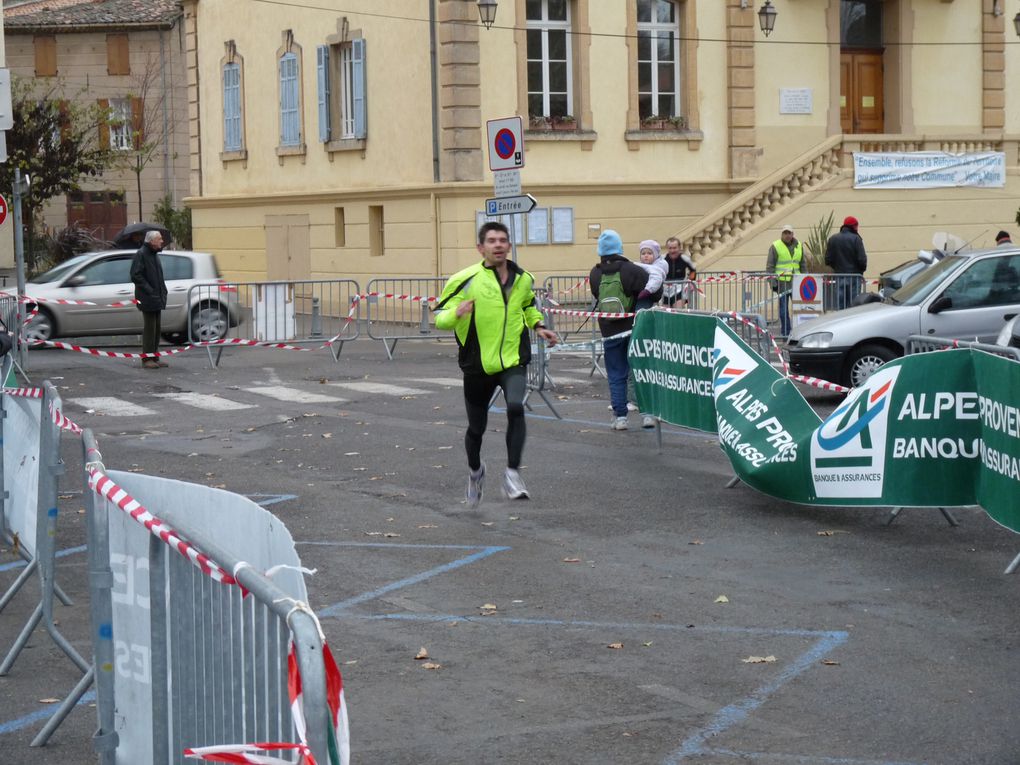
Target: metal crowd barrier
183,660
579,335
396,310
927,344
31,466
293,313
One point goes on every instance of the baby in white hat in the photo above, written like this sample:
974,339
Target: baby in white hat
651,259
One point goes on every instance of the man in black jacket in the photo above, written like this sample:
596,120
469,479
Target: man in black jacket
844,253
632,279
150,292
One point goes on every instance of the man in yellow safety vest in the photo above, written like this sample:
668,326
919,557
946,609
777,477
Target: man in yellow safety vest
786,257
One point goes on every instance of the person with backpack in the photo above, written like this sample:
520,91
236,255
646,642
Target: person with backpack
615,283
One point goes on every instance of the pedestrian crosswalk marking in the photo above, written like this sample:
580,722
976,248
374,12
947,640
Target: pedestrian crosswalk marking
384,389
453,382
112,407
292,395
205,401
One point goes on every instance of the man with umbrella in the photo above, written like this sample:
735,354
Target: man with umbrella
150,292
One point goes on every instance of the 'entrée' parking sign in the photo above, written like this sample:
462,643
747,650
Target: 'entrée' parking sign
506,143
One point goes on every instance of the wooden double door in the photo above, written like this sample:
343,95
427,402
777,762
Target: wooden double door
861,103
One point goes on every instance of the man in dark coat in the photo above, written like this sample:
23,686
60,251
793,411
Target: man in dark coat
844,253
616,332
150,292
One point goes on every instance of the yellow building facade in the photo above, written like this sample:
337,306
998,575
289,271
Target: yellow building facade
335,144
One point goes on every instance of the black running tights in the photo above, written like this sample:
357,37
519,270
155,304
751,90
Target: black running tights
478,390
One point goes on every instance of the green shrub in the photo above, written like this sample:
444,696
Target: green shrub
177,222
814,254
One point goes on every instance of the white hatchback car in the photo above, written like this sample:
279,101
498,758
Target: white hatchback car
963,297
104,278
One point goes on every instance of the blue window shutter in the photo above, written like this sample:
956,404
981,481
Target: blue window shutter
360,87
231,107
322,66
290,102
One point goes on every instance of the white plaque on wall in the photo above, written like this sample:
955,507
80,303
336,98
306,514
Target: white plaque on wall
795,101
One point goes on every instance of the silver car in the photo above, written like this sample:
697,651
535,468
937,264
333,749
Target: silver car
964,297
104,278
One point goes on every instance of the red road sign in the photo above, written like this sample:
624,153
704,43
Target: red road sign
808,289
505,143
3,210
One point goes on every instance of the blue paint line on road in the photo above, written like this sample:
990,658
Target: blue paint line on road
736,713
40,714
399,546
812,759
725,718
336,608
60,554
839,636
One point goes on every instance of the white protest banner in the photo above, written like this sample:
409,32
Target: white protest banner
929,170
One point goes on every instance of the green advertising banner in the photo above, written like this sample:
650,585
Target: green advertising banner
671,358
929,430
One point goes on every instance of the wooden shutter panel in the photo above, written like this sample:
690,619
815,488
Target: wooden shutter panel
360,87
137,122
104,123
322,72
118,61
45,55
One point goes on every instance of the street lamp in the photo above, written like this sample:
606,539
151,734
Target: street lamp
767,18
487,12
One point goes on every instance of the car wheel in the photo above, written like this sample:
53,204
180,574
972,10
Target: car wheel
176,338
41,328
208,322
863,362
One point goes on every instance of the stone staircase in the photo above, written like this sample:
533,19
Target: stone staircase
717,233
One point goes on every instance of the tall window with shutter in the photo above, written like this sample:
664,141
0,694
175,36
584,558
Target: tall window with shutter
232,107
290,100
342,91
45,48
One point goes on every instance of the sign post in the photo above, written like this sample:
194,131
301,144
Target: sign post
506,158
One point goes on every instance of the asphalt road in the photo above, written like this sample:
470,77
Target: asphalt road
892,644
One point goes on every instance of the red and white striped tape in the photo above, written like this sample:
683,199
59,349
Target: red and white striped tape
24,392
814,382
106,488
62,421
249,753
590,314
108,354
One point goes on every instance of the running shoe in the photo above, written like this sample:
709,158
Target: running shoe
647,421
473,495
514,486
620,423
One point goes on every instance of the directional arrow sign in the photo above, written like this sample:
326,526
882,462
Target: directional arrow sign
510,205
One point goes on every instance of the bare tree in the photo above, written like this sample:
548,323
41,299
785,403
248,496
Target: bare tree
150,127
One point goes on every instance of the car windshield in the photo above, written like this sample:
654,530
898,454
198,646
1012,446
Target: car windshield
922,285
57,273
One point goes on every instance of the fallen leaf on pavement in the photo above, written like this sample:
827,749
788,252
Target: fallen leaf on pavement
722,599
428,526
571,560
759,659
431,665
830,663
830,533
488,523
423,653
48,701
648,644
695,542
615,646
